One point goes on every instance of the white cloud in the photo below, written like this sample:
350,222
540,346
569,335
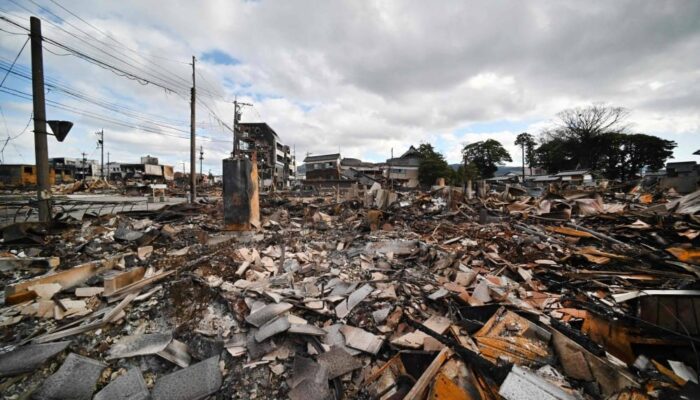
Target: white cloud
368,76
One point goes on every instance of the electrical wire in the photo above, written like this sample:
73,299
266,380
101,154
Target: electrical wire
14,61
115,40
118,71
114,69
111,54
64,107
114,107
105,65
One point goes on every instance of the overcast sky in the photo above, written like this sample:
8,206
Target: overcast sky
361,77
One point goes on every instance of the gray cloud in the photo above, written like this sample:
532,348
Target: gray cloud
367,76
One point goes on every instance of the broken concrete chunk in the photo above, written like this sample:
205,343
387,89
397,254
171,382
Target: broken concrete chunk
338,361
437,323
380,315
126,234
361,340
310,391
344,307
335,338
306,370
255,349
191,383
129,386
267,313
28,358
277,325
522,384
144,252
46,291
139,345
75,379
306,329
88,291
177,353
396,247
438,294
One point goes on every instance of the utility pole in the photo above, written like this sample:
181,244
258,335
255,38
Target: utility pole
464,174
193,156
41,147
101,143
391,181
201,158
522,149
84,162
237,106
107,166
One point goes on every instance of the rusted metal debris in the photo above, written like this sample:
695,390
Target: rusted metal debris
419,295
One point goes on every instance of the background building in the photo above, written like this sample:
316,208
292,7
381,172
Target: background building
322,167
22,175
276,165
403,170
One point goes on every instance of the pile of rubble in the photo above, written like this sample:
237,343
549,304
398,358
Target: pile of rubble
390,296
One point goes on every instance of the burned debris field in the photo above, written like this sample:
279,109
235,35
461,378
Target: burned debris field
382,294
336,200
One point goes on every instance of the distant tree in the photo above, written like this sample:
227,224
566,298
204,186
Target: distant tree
527,146
581,126
433,166
613,155
628,154
486,156
648,151
555,154
464,175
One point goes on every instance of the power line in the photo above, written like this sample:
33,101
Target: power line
13,33
113,39
114,107
103,64
161,77
114,69
14,61
55,104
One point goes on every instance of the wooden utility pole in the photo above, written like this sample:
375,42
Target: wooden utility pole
236,146
193,147
391,180
41,147
464,173
522,149
101,142
84,162
201,158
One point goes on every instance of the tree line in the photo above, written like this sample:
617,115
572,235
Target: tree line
596,138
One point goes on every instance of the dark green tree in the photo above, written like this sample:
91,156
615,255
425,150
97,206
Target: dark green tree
486,156
527,146
433,166
646,151
555,154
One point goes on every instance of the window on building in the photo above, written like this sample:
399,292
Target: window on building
27,170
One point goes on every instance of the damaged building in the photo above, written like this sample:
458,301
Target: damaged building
19,175
276,164
403,170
